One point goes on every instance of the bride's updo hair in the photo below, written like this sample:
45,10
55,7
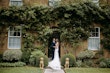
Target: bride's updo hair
57,40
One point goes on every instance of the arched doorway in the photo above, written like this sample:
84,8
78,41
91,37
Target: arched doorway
55,34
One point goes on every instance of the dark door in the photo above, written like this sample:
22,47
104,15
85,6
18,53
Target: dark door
55,34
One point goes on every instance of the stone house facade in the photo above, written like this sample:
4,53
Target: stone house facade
14,42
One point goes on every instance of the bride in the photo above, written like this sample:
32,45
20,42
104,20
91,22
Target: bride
55,63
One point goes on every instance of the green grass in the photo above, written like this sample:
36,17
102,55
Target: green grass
28,69
88,70
25,69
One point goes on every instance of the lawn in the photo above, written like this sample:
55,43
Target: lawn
28,69
25,69
88,70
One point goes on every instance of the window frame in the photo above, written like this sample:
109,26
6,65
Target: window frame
96,2
9,36
95,38
53,2
10,3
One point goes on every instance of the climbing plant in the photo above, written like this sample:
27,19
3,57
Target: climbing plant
73,20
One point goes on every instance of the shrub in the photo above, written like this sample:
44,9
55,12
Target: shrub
35,58
32,61
72,61
25,57
12,55
103,64
86,63
36,53
108,62
87,54
79,63
42,48
99,54
89,63
102,59
16,64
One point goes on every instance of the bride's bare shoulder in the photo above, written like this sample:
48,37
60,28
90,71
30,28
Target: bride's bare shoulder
57,43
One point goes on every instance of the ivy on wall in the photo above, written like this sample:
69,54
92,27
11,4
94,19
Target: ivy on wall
74,20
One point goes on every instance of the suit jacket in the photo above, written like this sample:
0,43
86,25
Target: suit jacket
53,44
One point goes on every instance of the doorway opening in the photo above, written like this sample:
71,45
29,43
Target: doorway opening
55,34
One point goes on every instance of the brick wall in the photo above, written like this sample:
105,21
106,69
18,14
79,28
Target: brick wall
35,2
4,3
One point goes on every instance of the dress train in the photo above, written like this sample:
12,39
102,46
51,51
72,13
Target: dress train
55,63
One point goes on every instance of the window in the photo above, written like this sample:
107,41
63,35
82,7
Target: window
96,2
16,3
14,37
54,2
94,39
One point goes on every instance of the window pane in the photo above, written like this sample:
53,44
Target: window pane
97,34
18,29
16,2
94,40
50,3
15,32
11,28
93,35
11,33
93,43
54,2
14,38
96,2
94,32
14,42
97,30
10,42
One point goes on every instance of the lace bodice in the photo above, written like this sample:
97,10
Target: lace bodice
57,45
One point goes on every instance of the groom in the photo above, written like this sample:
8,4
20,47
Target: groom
53,47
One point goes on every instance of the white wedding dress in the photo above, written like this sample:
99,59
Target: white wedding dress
55,63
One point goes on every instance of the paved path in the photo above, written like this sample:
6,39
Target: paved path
53,71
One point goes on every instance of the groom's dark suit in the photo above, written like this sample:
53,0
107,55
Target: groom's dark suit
53,49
